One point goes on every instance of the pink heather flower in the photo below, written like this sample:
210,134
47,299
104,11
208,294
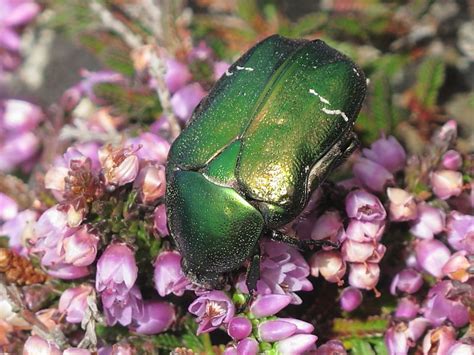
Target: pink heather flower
356,252
274,330
116,267
372,175
329,264
35,345
431,255
459,348
446,183
407,308
365,232
185,100
387,152
80,248
438,341
402,205
212,309
451,160
408,280
73,302
430,221
328,227
268,305
400,337
456,268
364,276
460,230
19,115
332,347
8,207
122,304
283,270
297,344
202,52
151,182
160,220
20,230
239,328
439,308
350,299
247,346
302,327
76,351
177,75
168,275
447,131
364,206
152,147
120,165
156,318
219,69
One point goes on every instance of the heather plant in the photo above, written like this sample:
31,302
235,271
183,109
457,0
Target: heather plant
86,261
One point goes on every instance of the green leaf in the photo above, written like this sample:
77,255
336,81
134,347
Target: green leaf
379,346
361,347
167,341
430,78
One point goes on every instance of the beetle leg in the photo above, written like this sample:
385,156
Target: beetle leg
306,244
253,272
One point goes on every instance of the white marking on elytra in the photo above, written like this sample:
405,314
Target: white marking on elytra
335,112
355,71
228,73
367,81
244,68
322,99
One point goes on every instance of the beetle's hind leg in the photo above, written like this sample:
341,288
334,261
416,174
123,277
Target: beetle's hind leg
253,272
305,244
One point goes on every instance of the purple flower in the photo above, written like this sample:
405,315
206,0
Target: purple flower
431,255
160,222
460,230
156,318
371,175
457,267
302,327
120,165
350,299
168,275
73,302
364,206
458,348
152,147
247,346
364,276
274,330
328,227
67,272
402,205
35,345
407,308
116,268
122,304
430,221
407,280
19,230
151,182
212,309
76,351
400,337
239,328
80,248
219,69
185,100
388,153
451,160
297,344
329,264
439,341
359,231
438,307
283,271
356,252
268,305
332,347
8,207
446,183
177,75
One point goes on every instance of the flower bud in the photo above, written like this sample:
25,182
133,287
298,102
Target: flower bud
451,160
402,205
268,305
408,280
116,266
457,267
328,227
332,347
35,345
431,255
350,299
356,252
239,328
430,221
364,276
365,232
160,222
156,318
460,230
247,346
438,341
152,183
301,326
407,308
120,165
297,344
446,183
387,152
274,330
372,175
168,275
80,249
364,206
459,348
329,264
73,302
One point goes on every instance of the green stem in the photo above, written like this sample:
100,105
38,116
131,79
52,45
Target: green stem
206,341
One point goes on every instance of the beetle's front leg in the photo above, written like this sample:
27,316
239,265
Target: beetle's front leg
306,244
253,272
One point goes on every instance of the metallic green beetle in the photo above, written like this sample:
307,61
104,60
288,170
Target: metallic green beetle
272,128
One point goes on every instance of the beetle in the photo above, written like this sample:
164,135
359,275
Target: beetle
269,132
